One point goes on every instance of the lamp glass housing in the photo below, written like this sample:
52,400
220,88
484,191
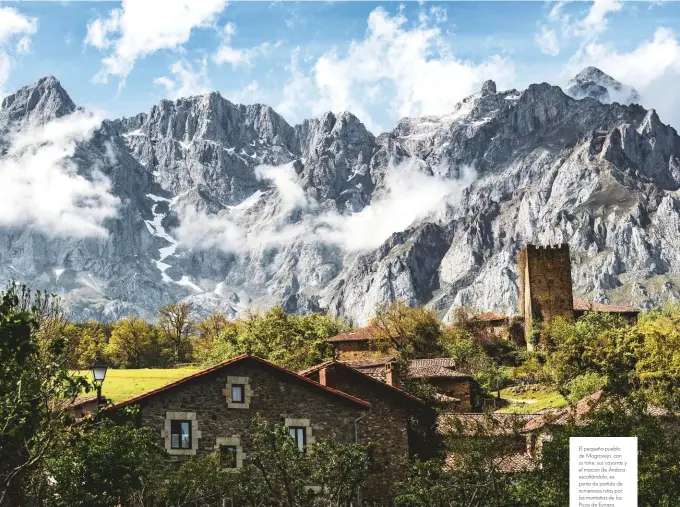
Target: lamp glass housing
99,372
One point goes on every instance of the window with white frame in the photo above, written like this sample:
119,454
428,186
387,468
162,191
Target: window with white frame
299,435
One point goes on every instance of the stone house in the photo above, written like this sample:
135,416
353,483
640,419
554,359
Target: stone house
211,412
398,425
362,350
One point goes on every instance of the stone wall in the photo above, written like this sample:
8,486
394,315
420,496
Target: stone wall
455,387
358,350
545,286
387,429
274,395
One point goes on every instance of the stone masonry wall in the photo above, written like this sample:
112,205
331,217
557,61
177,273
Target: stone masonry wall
456,387
360,350
545,285
385,429
274,395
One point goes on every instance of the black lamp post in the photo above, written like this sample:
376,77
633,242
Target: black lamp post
98,375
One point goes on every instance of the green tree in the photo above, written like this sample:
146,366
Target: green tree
412,332
658,458
291,341
329,474
134,343
177,324
35,387
107,465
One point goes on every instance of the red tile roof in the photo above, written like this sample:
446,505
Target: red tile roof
504,463
480,424
234,360
592,306
314,369
438,367
490,316
357,335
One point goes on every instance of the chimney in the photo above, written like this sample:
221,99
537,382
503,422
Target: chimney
392,376
328,377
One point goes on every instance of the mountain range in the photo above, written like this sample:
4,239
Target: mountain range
231,208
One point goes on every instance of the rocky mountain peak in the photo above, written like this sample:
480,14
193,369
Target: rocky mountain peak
547,169
488,88
37,103
592,82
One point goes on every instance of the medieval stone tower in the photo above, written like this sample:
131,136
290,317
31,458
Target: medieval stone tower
545,290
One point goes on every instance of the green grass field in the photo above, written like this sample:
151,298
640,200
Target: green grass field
122,384
535,400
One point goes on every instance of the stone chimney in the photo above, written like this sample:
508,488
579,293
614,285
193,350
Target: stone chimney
392,376
328,376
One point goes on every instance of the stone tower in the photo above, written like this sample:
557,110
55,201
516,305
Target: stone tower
545,290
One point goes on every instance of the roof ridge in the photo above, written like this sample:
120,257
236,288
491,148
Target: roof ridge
347,366
222,364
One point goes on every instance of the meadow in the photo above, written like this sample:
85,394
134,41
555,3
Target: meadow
122,384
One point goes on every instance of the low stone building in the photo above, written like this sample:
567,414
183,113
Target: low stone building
211,412
398,426
364,351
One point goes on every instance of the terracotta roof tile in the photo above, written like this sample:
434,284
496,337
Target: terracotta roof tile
592,306
491,316
318,367
508,463
218,366
481,424
439,367
361,334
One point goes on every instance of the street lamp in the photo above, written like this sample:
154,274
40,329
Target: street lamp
98,375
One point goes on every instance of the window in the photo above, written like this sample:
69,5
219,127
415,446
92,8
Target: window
298,434
228,456
237,393
180,434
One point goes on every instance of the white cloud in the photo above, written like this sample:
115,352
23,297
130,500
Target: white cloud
547,41
408,195
249,94
286,181
42,188
596,21
13,25
242,57
24,45
562,27
185,81
653,68
417,63
139,28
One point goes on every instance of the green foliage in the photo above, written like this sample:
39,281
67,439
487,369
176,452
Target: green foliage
292,341
472,474
585,385
134,343
87,342
658,459
328,474
176,325
107,465
35,387
412,332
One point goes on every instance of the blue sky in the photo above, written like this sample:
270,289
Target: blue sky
382,61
